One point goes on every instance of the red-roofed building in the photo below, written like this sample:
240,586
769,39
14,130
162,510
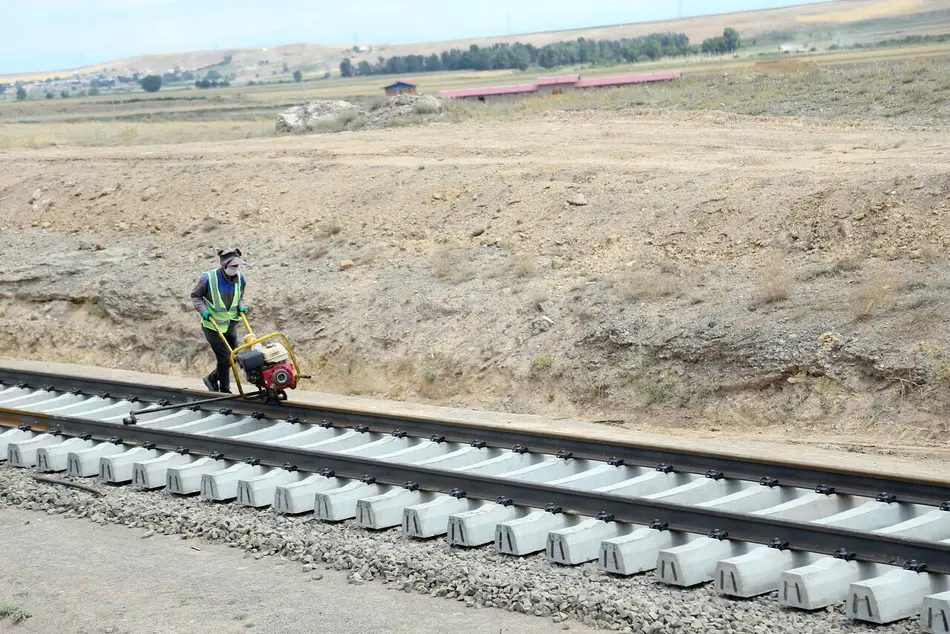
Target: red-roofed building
601,82
498,91
546,86
557,85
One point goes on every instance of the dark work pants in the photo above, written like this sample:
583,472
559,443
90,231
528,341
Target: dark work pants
222,373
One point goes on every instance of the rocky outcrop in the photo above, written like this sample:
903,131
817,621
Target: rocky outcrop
311,117
336,116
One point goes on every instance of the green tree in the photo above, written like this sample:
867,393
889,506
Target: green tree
731,36
151,83
20,93
93,92
365,69
50,95
214,75
298,76
64,94
346,67
3,88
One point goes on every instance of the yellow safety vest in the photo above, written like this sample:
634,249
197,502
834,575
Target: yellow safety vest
220,313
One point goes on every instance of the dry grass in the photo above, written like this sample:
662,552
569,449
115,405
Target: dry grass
775,282
92,134
452,263
874,296
649,284
859,12
518,265
911,92
850,263
784,66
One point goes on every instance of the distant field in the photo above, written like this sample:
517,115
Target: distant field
253,102
868,11
744,85
817,24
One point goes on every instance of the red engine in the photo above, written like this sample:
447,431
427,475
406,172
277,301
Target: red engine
278,377
269,367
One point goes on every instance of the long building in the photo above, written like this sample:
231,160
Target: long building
547,86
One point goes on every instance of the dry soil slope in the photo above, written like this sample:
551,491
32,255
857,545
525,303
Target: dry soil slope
711,268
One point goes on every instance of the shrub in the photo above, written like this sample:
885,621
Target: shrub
775,282
151,83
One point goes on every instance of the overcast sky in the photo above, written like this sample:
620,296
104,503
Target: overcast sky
60,34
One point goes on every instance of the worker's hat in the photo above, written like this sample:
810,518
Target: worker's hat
231,257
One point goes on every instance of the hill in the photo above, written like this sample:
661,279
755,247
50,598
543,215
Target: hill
842,22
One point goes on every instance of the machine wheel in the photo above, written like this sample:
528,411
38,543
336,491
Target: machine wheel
281,395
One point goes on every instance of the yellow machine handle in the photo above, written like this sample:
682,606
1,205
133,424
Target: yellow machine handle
254,341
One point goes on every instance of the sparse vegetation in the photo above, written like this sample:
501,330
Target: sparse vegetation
874,296
828,390
15,613
452,263
426,107
542,363
649,283
775,282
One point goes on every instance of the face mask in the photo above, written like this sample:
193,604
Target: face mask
231,271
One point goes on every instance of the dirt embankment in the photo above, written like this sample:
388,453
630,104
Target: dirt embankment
678,269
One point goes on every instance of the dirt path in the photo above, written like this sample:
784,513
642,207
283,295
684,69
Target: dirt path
75,577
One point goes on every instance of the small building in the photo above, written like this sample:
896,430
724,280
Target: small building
401,88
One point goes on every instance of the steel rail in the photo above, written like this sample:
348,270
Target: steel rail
906,489
801,536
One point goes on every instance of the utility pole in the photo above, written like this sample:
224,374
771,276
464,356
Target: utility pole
681,9
508,25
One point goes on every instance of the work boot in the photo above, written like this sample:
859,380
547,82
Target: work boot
210,384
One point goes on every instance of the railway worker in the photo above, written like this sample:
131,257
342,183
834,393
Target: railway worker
219,296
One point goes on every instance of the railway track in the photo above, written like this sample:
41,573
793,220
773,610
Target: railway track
818,537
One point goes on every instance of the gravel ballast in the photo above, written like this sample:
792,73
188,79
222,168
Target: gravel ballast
479,577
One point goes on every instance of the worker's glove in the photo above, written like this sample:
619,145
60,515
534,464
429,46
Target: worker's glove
206,314
243,310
